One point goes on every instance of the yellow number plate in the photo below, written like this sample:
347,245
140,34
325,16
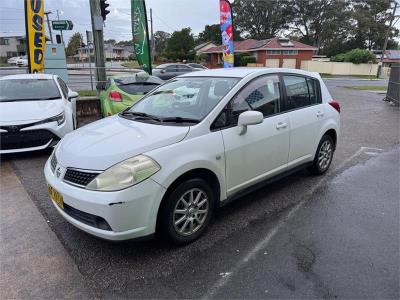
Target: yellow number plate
56,196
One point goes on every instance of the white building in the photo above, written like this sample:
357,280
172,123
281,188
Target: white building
12,45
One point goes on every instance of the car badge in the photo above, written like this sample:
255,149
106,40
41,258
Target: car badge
13,129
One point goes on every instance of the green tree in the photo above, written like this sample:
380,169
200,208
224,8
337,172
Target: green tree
371,19
180,45
110,41
320,22
124,43
74,43
211,33
261,19
160,40
356,56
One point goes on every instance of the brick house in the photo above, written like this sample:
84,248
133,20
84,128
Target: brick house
273,53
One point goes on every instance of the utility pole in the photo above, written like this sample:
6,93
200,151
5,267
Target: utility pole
47,13
153,48
386,40
97,29
58,18
89,41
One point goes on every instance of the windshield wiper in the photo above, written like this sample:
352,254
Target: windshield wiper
140,115
180,120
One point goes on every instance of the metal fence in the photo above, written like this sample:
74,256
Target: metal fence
393,92
80,76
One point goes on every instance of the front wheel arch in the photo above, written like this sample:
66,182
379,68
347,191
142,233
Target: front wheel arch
205,174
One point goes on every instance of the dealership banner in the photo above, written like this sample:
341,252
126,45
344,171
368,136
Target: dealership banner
35,36
140,33
226,23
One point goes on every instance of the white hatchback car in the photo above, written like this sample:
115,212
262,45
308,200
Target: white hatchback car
36,111
195,142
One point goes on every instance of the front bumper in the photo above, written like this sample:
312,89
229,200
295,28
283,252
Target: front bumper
131,213
36,137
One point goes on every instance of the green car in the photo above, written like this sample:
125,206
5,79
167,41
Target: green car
122,91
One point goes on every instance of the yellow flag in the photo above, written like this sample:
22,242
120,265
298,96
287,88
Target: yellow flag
35,36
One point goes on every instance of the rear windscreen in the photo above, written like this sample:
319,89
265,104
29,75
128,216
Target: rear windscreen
137,88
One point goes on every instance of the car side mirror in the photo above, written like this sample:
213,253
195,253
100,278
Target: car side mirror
72,95
249,118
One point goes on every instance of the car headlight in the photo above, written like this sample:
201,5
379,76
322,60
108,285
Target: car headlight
60,118
125,174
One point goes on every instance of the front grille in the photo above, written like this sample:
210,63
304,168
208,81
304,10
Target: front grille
53,162
86,218
25,139
80,178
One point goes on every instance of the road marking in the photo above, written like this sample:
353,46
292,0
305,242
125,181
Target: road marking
224,280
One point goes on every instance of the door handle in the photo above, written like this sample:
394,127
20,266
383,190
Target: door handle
281,125
320,114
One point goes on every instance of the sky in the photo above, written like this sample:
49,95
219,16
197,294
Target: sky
168,15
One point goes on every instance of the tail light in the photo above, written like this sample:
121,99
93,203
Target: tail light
335,105
115,96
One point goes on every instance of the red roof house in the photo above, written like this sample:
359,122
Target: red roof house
275,52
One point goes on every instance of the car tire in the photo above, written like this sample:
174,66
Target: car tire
323,156
186,212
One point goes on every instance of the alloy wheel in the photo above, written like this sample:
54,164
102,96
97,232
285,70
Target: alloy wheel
325,155
190,211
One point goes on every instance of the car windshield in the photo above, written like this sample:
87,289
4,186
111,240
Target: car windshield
182,100
28,89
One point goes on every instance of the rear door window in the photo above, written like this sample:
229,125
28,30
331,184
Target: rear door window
314,90
296,91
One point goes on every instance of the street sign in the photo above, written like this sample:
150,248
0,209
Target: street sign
62,25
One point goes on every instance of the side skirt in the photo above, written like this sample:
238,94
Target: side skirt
262,184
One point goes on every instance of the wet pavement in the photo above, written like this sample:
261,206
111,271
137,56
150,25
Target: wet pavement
343,243
302,236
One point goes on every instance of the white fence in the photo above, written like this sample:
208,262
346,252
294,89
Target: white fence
342,68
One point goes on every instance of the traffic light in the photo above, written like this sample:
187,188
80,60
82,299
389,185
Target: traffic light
103,8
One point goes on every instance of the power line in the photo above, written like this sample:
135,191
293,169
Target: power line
11,8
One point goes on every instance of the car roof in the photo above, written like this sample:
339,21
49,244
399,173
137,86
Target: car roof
29,76
239,72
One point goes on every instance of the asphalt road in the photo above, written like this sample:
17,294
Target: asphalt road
303,236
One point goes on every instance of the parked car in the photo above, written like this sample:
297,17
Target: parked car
13,60
164,165
168,71
22,62
36,111
198,67
122,91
